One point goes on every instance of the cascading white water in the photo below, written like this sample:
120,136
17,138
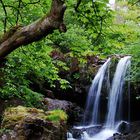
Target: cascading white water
115,95
114,119
92,104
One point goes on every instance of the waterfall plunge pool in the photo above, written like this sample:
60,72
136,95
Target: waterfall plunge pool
97,132
104,134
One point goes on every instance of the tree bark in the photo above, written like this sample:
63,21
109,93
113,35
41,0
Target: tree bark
20,36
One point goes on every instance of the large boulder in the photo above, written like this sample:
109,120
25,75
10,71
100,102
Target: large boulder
75,113
23,123
133,133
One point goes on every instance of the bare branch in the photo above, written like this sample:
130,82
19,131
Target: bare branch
77,5
18,11
31,3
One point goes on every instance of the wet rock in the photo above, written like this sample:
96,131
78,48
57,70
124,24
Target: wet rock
78,132
94,130
124,127
133,134
22,123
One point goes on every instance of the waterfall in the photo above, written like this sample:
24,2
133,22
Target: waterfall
114,111
115,95
92,104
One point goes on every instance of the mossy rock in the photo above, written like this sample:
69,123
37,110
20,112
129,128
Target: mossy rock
56,116
32,123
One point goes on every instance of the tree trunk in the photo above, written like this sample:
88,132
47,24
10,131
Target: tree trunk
19,36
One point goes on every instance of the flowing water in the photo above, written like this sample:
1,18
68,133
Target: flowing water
114,112
115,95
92,104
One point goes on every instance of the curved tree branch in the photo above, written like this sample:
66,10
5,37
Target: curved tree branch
35,2
35,31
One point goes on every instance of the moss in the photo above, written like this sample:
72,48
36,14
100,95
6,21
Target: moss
17,115
56,115
3,130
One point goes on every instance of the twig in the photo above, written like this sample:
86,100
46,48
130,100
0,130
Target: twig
77,5
18,11
5,19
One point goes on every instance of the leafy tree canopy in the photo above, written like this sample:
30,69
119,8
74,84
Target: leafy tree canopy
92,29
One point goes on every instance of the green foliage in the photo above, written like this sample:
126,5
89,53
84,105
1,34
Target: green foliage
74,41
127,27
86,32
134,51
22,12
24,62
30,97
93,30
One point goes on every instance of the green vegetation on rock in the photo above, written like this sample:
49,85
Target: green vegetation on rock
30,123
56,116
20,114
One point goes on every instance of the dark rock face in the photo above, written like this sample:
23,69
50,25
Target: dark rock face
124,127
134,131
132,134
57,104
37,130
75,113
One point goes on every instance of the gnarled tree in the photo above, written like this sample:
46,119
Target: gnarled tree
19,36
